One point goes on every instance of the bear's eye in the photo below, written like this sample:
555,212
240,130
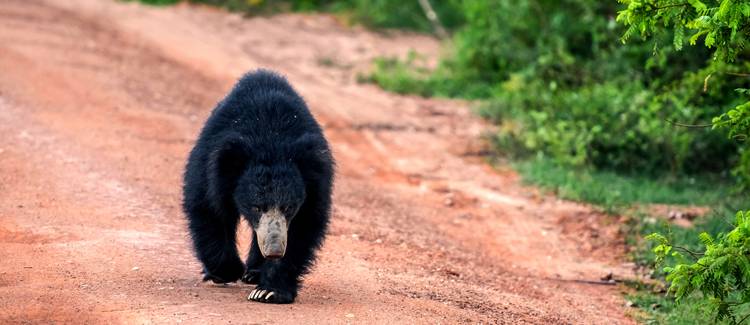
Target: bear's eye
255,209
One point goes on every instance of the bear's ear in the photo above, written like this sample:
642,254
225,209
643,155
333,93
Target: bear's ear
312,156
226,163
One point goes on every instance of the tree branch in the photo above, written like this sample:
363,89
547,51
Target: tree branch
670,6
694,126
695,255
433,18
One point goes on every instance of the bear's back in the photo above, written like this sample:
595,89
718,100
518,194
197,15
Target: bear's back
266,111
264,107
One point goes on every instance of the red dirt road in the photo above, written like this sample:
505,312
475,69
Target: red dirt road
100,102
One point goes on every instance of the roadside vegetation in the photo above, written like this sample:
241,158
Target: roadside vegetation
622,104
379,14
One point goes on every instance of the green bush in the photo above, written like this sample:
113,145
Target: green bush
612,125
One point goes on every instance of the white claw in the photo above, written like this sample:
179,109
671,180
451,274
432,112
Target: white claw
262,293
269,295
255,295
250,296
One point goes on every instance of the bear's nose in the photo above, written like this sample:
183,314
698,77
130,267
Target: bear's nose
274,251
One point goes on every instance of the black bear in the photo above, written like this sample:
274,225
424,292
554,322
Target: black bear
261,155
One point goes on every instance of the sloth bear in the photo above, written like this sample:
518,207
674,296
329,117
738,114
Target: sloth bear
261,155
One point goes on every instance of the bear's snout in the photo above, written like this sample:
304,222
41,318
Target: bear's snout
272,233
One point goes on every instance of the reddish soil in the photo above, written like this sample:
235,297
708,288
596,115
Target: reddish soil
100,102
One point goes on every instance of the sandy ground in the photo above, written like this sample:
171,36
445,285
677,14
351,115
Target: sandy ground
100,102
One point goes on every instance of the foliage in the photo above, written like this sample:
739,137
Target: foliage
722,25
737,120
656,307
720,272
619,126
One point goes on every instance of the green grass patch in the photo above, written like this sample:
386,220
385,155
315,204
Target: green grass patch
659,309
612,190
412,76
401,77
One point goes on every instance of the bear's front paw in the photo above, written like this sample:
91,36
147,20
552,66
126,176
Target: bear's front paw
270,296
251,277
226,273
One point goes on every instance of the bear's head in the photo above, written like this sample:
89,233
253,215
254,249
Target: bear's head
269,197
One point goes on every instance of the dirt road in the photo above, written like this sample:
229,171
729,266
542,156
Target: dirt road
100,102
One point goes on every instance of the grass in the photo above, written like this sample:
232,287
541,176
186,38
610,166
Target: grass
656,308
611,190
411,75
401,77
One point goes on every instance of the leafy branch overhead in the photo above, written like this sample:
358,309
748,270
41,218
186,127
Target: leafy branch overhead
722,25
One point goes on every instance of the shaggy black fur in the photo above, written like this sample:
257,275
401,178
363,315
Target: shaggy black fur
260,148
